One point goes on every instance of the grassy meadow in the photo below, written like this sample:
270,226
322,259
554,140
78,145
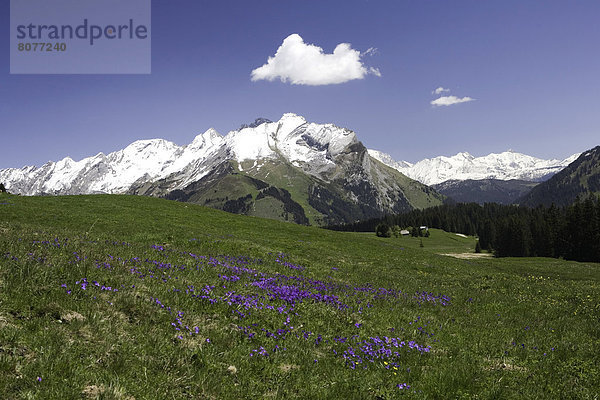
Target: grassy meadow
124,297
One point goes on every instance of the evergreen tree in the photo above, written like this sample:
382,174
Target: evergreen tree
383,230
414,232
2,188
487,235
589,230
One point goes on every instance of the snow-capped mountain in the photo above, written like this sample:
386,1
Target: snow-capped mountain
389,161
290,169
112,173
307,145
463,166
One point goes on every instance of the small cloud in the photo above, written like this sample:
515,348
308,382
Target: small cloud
306,64
440,90
371,51
450,100
375,71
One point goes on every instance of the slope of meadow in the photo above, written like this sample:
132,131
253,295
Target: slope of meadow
135,297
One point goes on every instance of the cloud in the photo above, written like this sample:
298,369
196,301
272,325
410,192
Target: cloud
306,64
375,71
440,90
371,51
450,100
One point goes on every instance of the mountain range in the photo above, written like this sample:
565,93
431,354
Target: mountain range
290,169
496,178
463,166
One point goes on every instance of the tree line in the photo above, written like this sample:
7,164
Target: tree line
571,232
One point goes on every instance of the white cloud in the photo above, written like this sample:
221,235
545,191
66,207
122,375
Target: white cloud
375,72
450,100
371,51
306,64
440,90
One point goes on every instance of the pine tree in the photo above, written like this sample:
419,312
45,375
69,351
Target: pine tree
487,237
2,188
383,230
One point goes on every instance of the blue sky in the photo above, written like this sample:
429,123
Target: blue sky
532,68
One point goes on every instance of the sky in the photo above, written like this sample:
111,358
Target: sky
415,79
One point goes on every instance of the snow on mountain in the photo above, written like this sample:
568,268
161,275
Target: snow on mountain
388,160
112,173
302,171
312,147
309,146
503,166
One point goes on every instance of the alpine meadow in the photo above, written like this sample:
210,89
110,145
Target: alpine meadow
114,296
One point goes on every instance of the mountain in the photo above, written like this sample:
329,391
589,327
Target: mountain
463,166
112,173
290,169
498,178
389,161
580,178
485,190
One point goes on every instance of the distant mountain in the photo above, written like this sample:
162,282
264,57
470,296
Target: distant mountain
290,170
485,190
579,178
389,161
463,166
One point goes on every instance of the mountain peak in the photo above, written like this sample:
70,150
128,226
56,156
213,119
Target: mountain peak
257,122
153,143
388,160
210,136
465,155
287,117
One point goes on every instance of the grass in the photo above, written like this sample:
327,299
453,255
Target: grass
133,297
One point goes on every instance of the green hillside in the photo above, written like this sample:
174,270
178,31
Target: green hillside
355,187
485,190
124,297
580,179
